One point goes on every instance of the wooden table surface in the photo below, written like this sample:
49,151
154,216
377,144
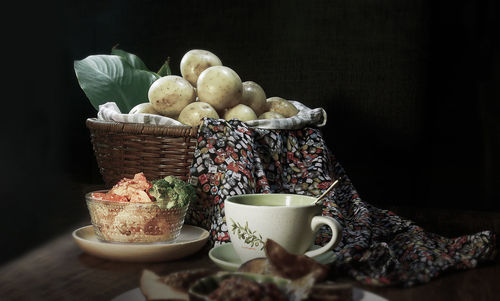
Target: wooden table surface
59,270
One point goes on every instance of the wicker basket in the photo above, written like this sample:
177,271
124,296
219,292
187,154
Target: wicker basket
124,149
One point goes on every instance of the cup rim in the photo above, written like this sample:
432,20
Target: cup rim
312,204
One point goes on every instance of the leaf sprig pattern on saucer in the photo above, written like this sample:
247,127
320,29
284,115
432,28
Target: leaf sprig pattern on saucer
250,237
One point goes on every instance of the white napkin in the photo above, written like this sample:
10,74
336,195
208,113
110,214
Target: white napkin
306,117
110,112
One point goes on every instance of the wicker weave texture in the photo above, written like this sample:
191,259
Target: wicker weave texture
123,150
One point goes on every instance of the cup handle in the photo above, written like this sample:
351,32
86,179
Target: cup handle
316,222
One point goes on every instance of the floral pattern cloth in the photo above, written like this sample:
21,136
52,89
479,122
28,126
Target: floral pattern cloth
378,247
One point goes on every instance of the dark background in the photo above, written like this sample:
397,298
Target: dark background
411,89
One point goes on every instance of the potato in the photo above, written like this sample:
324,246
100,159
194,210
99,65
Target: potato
281,106
194,112
271,115
220,87
145,108
170,94
254,96
241,112
196,61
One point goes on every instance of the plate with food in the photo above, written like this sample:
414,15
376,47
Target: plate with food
278,276
140,220
357,295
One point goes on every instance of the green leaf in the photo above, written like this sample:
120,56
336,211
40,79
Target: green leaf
132,59
165,69
106,78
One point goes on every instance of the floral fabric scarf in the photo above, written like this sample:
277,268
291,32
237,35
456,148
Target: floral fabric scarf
378,247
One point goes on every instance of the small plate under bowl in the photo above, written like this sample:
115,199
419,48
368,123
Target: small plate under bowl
189,242
226,258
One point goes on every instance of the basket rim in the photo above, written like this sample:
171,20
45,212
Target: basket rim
141,128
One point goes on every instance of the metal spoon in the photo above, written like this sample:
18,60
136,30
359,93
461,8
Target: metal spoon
318,200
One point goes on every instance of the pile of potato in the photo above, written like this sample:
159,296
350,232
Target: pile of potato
209,89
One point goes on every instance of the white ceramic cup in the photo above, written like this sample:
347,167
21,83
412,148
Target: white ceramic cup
289,219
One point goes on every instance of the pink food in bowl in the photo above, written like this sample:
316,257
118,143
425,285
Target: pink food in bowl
128,213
